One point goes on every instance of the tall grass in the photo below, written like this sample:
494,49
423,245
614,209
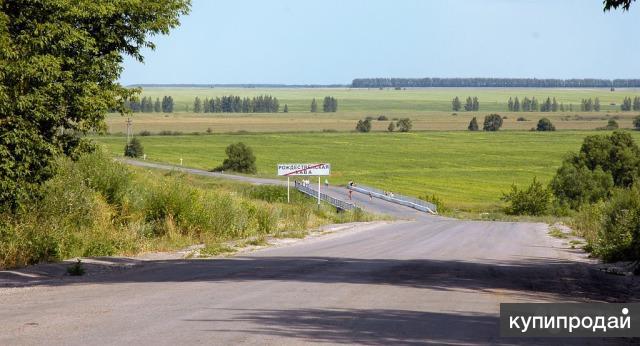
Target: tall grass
96,207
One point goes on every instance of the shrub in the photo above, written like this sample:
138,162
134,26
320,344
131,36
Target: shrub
383,118
521,119
619,237
391,127
404,125
363,125
133,148
145,133
545,124
602,163
492,122
576,185
473,125
435,199
101,173
240,159
636,122
532,201
612,125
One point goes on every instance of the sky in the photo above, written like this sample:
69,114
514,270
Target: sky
335,41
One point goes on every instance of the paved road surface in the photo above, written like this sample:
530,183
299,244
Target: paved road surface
427,280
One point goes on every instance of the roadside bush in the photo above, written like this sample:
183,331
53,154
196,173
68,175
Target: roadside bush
532,201
576,185
588,223
111,179
435,199
363,125
545,124
404,125
133,148
492,122
619,237
636,122
239,159
603,162
383,118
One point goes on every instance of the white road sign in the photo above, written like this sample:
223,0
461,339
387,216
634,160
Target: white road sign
313,169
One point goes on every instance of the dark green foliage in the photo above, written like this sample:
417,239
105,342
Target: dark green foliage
532,201
240,159
596,105
510,105
363,125
167,104
59,70
382,118
197,105
404,125
516,105
456,105
235,104
602,163
627,104
391,127
636,122
473,125
617,227
286,108
492,122
624,4
157,106
612,124
330,104
133,148
545,124
575,185
636,103
314,106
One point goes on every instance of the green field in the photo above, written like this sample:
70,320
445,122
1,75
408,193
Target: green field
468,170
430,109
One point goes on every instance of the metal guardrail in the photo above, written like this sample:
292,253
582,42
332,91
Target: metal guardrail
396,198
342,205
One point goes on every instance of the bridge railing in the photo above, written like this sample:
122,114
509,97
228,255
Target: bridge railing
396,198
342,205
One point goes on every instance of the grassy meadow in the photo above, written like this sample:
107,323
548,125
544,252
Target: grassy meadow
430,109
468,170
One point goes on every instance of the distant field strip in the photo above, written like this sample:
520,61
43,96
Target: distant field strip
430,109
468,170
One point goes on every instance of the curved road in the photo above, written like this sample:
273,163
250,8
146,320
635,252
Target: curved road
425,280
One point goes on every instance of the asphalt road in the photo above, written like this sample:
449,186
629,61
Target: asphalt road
423,280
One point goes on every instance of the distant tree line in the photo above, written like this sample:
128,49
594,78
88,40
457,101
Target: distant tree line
628,104
236,104
147,105
471,105
589,105
493,83
329,105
